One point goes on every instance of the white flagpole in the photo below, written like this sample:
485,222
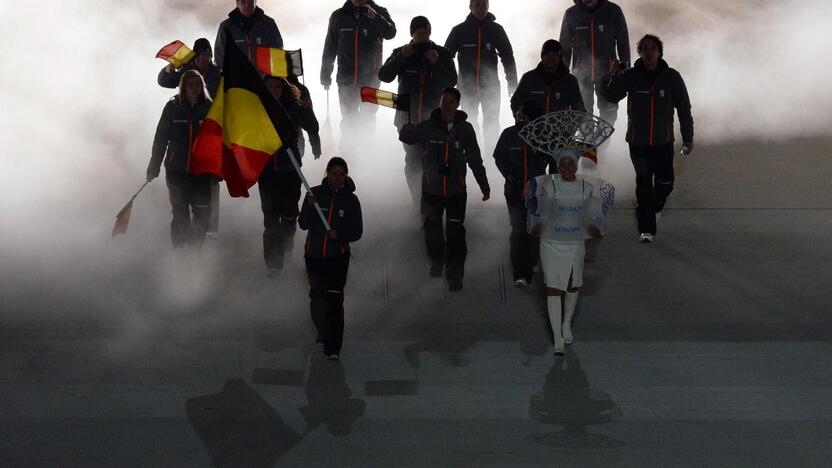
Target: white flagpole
306,184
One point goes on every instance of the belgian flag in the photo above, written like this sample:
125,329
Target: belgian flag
176,53
244,127
385,98
279,62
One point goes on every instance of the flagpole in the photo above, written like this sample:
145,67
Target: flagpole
306,184
140,189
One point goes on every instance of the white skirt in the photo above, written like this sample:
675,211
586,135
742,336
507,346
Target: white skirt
560,259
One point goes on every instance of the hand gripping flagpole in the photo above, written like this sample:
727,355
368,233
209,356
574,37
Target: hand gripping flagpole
306,184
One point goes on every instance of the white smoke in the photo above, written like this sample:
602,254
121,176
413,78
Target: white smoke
80,106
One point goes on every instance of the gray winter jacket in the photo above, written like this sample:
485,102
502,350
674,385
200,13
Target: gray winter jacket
479,44
445,154
590,38
356,41
175,134
422,80
650,104
247,33
562,93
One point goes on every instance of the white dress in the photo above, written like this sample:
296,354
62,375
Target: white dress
559,207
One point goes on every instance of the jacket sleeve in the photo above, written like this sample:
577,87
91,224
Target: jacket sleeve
388,72
276,38
443,70
682,104
307,120
411,134
474,159
520,94
451,42
219,45
168,79
355,228
160,140
617,88
575,92
307,215
567,38
502,154
330,51
622,36
506,53
383,24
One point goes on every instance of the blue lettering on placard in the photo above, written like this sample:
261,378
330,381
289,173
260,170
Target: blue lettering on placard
571,209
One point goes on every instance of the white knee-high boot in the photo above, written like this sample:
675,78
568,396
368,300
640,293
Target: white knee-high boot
553,307
569,304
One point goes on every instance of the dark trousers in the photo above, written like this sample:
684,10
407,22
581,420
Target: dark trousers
592,89
413,170
327,277
447,247
190,201
279,196
654,182
489,98
356,116
524,248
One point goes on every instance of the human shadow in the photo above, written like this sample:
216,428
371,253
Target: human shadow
566,400
329,397
239,428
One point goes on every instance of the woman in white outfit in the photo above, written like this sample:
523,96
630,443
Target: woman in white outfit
558,206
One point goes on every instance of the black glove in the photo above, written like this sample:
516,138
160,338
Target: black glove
315,142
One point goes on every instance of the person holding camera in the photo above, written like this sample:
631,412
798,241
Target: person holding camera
448,142
423,69
591,33
354,37
550,83
653,90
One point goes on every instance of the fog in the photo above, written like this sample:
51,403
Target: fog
80,105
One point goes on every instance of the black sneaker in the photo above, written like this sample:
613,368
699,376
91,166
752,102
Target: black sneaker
319,341
333,357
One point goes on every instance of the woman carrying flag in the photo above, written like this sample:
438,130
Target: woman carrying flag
175,134
328,251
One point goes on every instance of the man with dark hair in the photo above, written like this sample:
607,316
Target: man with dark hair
519,163
653,90
448,143
424,69
479,41
591,33
249,27
354,36
550,83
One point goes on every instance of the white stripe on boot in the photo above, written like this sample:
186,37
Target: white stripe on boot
553,307
568,311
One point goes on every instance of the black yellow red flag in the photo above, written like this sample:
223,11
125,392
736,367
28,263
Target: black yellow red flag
245,126
279,62
385,98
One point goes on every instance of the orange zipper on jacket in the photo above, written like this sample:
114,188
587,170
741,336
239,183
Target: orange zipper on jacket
592,45
445,176
421,94
190,144
479,49
652,110
329,221
355,73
